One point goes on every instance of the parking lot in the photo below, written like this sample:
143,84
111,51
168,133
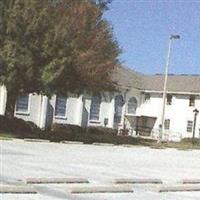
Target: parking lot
100,165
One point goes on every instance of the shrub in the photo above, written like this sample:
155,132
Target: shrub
35,131
76,133
4,124
19,127
190,141
100,134
61,132
34,128
101,131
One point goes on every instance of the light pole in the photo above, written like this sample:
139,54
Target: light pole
165,85
194,127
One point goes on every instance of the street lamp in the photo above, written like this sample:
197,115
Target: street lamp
172,37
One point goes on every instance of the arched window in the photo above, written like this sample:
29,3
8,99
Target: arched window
119,102
132,105
95,107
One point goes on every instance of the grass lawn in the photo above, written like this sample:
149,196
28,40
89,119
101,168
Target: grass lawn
185,144
182,145
7,136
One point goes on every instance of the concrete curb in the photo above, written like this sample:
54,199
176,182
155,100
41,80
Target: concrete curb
35,140
157,147
102,189
183,149
55,180
6,139
17,189
71,142
128,145
18,140
179,188
191,181
138,181
102,144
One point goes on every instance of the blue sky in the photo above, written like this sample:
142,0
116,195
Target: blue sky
142,28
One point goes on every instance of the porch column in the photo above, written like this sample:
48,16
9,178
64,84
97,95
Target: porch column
124,110
80,110
112,113
43,111
3,99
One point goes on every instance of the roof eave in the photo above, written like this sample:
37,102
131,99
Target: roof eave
171,92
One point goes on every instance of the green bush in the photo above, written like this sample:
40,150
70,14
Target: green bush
4,124
61,132
66,127
195,141
101,130
100,134
19,127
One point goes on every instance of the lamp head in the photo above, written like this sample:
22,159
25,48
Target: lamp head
175,37
196,111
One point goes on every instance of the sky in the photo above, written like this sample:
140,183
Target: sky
143,28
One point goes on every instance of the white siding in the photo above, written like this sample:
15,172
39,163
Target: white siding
73,111
3,94
106,111
34,110
179,112
78,111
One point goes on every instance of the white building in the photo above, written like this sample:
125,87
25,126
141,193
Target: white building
136,108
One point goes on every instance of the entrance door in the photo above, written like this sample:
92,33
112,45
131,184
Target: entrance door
119,103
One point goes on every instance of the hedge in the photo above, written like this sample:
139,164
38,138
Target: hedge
195,141
19,127
60,132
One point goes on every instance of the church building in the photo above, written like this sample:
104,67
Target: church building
136,109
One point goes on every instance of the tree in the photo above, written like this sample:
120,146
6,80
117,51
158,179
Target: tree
55,47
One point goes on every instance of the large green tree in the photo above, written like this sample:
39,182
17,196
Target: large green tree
55,46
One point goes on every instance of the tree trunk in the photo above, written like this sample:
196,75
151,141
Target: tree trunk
10,104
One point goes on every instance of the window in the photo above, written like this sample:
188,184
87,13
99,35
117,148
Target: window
119,102
60,109
169,99
95,107
189,126
167,124
147,97
192,101
22,103
132,105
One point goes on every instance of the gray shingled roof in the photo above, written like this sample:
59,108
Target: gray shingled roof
127,78
176,83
